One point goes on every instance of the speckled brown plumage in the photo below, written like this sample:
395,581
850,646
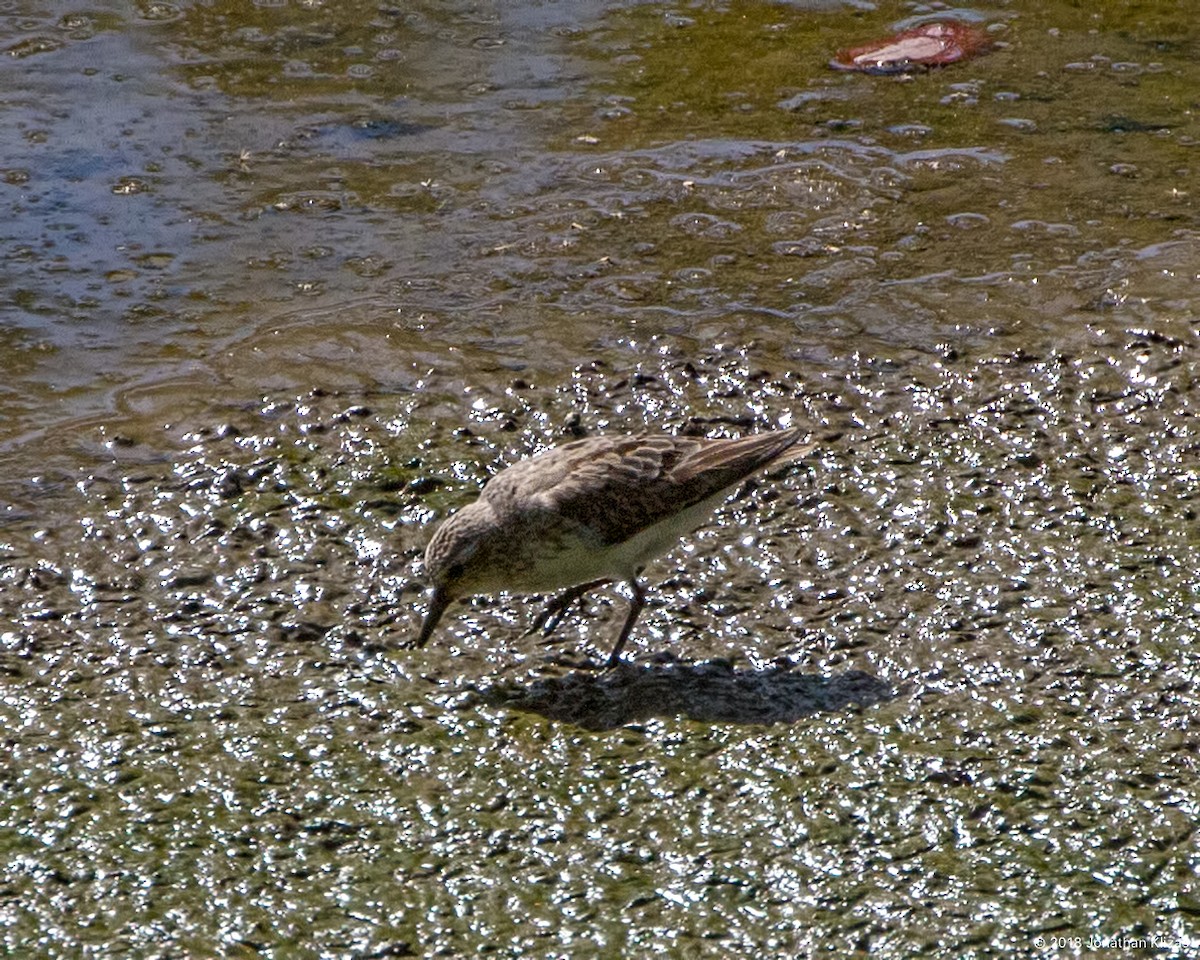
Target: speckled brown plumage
589,512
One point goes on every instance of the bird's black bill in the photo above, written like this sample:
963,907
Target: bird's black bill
437,606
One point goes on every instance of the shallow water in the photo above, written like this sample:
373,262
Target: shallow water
284,284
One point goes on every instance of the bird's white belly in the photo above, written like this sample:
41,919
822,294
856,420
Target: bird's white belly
567,563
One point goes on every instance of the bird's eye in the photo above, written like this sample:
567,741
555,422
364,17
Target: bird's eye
455,571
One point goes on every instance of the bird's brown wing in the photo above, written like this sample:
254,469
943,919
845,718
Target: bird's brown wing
615,487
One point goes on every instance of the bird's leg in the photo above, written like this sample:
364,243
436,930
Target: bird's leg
548,620
635,608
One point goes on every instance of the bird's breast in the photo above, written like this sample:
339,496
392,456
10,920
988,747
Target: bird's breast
545,560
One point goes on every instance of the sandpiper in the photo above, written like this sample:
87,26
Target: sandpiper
587,513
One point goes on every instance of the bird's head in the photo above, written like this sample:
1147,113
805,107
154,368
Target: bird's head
455,564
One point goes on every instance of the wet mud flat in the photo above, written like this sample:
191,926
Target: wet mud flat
945,668
290,281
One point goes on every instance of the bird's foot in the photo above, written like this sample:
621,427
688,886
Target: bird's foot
616,665
548,620
556,609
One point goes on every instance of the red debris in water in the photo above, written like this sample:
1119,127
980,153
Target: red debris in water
929,45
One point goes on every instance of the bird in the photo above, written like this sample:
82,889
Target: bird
588,513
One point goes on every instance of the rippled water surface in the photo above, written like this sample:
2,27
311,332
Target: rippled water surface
284,283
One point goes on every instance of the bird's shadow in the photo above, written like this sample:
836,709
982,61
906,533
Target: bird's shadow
711,692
